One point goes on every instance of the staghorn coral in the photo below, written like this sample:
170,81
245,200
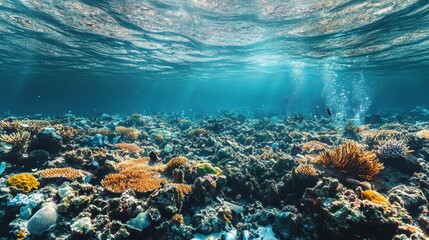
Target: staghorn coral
130,133
69,173
65,132
392,149
183,189
128,147
423,134
175,163
351,158
36,125
18,140
23,182
306,169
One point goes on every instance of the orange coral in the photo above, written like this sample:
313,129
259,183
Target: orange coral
306,169
177,219
23,182
69,173
351,158
128,147
175,163
375,197
183,189
134,174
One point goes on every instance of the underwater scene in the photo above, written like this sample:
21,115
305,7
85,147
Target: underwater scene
214,119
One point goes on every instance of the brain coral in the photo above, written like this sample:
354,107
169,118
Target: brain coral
42,220
23,182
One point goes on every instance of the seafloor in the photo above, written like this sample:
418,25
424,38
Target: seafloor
214,176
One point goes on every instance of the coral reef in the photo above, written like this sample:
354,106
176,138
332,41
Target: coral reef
68,173
351,158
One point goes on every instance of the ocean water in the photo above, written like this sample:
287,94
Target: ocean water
286,56
214,119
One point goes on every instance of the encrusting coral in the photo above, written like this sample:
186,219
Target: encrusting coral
423,134
23,182
351,158
375,197
69,173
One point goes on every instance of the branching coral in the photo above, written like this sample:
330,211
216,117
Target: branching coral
130,133
18,139
306,169
65,132
134,174
69,173
351,158
36,125
128,147
23,182
12,126
375,137
177,219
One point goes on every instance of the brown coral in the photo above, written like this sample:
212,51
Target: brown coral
128,147
314,147
306,169
177,219
102,131
351,158
69,173
130,133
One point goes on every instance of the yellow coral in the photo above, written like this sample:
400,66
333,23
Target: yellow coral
351,158
130,133
23,182
20,235
12,126
375,197
69,173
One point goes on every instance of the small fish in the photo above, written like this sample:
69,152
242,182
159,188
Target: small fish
329,111
95,163
87,178
2,167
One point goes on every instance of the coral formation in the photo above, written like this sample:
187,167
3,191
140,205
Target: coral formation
375,197
18,140
206,168
23,182
128,132
306,169
351,158
392,149
42,220
175,163
69,173
128,147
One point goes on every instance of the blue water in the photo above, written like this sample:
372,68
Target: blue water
357,57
